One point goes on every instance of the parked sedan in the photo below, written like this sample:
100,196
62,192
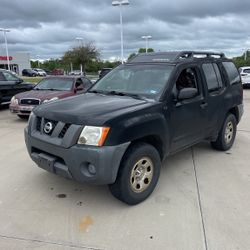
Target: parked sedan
47,90
11,85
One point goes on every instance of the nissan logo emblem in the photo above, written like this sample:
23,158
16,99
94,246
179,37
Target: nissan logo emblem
48,127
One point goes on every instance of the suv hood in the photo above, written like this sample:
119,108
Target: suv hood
43,94
90,108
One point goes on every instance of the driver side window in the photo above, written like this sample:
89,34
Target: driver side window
9,77
187,79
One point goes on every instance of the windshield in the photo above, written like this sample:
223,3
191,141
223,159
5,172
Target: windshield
143,80
55,84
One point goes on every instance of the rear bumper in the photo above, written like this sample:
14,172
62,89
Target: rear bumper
95,165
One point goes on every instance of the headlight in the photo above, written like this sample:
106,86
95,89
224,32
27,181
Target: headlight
14,100
94,136
50,100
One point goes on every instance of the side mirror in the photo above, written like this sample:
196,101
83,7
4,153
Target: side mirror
187,93
19,81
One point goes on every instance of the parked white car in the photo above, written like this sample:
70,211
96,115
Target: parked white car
245,76
40,72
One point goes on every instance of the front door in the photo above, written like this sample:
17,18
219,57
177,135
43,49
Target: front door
187,117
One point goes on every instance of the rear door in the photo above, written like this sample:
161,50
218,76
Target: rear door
215,96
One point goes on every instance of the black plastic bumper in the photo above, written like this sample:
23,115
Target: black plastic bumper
77,161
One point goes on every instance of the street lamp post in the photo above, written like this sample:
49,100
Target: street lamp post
146,39
6,45
120,3
80,39
245,54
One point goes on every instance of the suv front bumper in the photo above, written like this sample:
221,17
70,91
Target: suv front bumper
96,165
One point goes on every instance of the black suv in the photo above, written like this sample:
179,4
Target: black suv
11,85
119,132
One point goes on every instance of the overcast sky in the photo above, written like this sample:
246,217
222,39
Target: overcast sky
49,27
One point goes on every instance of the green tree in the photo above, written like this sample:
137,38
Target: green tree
143,50
240,60
81,55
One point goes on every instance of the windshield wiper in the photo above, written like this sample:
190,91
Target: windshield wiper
98,91
136,96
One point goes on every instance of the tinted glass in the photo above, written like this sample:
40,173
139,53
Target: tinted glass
211,78
246,71
9,77
145,80
232,72
218,74
55,84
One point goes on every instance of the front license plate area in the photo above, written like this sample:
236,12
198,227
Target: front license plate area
46,162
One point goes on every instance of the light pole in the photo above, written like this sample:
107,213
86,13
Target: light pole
38,64
146,39
6,45
80,39
120,4
245,54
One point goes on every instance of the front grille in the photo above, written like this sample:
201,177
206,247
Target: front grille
64,130
47,121
30,102
38,123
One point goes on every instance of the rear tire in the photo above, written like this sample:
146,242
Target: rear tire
138,174
226,135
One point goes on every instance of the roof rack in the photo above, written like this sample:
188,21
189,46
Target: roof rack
193,54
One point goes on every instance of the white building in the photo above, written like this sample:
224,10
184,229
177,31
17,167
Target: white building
18,62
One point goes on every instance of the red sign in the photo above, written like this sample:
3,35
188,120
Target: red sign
4,58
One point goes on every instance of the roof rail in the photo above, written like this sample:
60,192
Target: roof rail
192,54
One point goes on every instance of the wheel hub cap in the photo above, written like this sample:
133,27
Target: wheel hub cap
229,132
141,175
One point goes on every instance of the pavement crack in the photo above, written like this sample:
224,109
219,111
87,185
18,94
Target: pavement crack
199,201
66,244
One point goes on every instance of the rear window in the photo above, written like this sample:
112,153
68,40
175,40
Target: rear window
232,72
246,71
213,76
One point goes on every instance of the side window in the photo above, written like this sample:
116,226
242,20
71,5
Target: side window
218,75
213,77
187,79
232,72
87,83
2,77
9,77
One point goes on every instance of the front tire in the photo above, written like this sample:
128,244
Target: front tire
138,174
226,135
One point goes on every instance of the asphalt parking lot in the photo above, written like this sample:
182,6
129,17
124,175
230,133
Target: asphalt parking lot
202,201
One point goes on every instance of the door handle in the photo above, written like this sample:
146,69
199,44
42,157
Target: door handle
203,105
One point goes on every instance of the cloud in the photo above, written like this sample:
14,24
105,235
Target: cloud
48,28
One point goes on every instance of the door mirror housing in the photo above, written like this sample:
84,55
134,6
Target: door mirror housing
187,93
18,81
